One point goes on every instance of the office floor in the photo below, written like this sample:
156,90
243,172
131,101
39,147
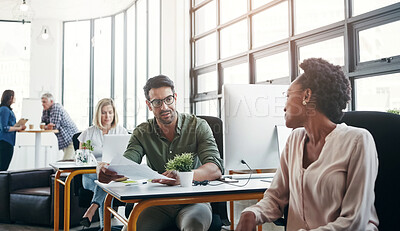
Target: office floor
238,207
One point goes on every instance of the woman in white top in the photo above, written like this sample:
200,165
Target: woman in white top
105,122
327,171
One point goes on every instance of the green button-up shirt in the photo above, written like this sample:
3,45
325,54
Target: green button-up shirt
192,135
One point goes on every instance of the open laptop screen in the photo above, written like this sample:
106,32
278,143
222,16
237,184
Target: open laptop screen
114,145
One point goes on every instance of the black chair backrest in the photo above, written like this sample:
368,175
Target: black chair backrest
77,178
75,140
219,208
215,124
385,128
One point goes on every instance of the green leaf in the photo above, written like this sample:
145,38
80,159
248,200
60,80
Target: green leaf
181,163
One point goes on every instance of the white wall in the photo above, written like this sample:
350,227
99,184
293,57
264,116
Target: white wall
46,58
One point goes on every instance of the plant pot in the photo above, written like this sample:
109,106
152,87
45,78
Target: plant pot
186,178
82,156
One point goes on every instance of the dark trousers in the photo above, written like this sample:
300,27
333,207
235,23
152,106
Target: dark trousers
6,153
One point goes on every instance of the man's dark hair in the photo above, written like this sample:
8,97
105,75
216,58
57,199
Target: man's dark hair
6,98
330,87
157,82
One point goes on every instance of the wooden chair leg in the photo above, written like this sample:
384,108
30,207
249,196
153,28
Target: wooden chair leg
232,215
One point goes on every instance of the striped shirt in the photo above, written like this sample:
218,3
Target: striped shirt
57,115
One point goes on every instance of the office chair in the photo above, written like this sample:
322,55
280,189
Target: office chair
219,209
385,128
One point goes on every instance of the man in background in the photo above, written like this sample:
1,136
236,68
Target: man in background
55,117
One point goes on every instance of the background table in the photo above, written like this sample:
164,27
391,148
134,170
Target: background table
38,142
153,194
73,170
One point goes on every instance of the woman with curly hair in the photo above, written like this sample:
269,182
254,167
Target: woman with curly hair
327,170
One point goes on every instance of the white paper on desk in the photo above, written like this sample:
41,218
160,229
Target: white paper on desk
134,171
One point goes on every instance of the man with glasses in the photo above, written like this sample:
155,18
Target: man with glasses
160,139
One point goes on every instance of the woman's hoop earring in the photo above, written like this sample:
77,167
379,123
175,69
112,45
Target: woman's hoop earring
304,103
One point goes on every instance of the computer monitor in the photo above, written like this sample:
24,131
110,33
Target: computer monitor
114,145
283,134
250,113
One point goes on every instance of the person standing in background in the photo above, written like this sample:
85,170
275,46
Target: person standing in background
8,127
55,117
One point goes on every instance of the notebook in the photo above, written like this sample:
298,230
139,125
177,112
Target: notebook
114,145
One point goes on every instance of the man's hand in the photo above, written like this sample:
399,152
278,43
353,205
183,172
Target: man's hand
170,174
247,222
104,175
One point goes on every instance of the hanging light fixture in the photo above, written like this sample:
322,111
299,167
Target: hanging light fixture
24,7
23,11
45,34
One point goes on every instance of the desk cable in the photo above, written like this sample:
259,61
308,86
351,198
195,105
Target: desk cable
237,185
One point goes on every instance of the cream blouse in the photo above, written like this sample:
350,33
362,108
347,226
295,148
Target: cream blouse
336,192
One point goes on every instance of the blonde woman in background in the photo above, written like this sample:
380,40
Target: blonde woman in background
105,121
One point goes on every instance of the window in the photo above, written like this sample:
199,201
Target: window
14,61
264,41
205,17
100,61
238,74
312,14
331,50
376,44
77,71
363,6
207,82
205,50
131,69
378,93
119,67
234,39
271,25
272,67
141,63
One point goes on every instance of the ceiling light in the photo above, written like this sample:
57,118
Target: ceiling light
45,33
24,6
23,11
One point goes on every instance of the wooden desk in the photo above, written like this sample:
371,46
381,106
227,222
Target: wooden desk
38,142
73,169
152,194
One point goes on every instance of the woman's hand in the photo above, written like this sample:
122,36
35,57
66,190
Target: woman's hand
247,222
170,174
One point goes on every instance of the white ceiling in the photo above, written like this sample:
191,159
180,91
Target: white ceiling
65,10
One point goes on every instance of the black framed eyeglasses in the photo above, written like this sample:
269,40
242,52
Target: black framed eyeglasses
167,100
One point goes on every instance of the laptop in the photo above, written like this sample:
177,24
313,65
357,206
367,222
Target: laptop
114,145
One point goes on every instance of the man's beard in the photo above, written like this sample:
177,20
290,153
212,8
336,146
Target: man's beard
169,121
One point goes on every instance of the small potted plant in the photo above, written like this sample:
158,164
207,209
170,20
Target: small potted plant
183,164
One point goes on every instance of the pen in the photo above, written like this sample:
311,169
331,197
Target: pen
266,180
